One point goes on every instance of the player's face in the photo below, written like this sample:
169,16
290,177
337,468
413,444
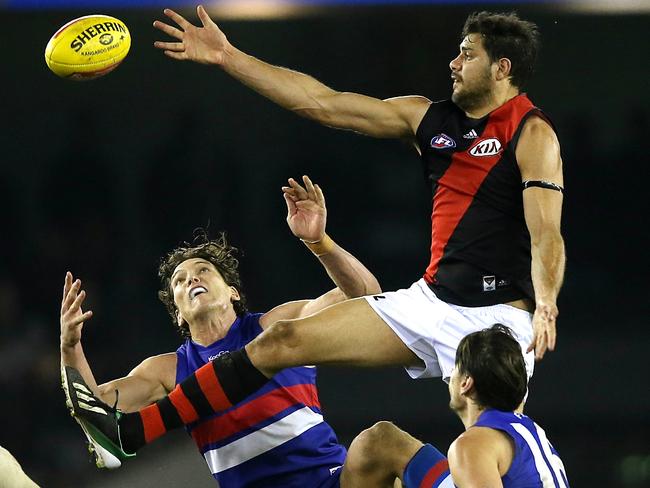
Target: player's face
199,288
456,400
471,72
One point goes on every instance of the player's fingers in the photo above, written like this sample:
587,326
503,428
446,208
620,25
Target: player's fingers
78,301
170,30
299,191
540,348
320,198
179,19
311,191
291,206
170,46
552,335
72,294
80,319
67,283
203,16
531,346
180,56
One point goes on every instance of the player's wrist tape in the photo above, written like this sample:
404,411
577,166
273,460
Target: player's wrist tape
320,247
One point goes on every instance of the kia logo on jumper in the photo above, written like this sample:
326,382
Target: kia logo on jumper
442,141
486,147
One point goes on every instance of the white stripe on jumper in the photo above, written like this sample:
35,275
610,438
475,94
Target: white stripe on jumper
556,462
262,440
540,462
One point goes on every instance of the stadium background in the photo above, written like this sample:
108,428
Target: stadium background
102,178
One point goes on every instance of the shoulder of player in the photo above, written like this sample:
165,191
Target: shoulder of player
412,107
477,441
537,131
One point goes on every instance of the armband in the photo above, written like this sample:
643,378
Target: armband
320,247
542,184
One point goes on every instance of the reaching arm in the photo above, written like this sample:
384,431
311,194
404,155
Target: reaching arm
148,382
306,216
300,93
538,156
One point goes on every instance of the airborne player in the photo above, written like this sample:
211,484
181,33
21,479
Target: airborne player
497,254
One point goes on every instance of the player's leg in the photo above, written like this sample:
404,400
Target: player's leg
378,456
384,455
347,333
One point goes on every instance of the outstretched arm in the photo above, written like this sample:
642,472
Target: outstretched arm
148,382
300,93
538,156
307,217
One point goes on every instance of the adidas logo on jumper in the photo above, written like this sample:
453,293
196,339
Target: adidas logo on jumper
470,135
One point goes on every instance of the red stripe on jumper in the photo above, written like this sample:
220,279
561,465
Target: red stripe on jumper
434,473
252,413
462,180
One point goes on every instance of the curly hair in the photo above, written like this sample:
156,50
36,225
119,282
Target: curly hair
216,251
505,35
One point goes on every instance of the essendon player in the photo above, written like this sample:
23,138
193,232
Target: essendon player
497,255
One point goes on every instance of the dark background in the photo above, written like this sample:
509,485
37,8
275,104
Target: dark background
102,178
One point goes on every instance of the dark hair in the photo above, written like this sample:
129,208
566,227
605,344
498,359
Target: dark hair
505,35
216,251
493,358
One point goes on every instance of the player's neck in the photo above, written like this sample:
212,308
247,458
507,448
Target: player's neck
470,414
208,328
500,96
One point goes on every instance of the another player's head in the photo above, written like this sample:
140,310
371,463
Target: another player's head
210,263
489,371
497,50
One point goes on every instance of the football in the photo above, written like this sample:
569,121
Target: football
88,47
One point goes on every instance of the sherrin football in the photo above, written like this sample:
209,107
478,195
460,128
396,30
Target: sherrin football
88,47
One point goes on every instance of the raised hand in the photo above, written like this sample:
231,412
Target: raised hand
72,317
544,333
306,211
206,44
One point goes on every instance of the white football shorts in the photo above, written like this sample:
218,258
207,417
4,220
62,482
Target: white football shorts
432,329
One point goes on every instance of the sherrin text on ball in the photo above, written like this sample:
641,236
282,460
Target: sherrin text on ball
88,47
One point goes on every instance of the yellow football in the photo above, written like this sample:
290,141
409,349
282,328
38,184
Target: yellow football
88,47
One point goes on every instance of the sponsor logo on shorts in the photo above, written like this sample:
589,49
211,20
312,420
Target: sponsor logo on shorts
489,283
442,141
486,147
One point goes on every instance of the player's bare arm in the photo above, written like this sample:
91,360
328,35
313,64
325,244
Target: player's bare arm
298,92
148,382
538,156
474,459
307,218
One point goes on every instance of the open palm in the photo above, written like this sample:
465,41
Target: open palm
206,44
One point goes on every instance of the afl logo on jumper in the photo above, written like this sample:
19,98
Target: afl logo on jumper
486,147
442,141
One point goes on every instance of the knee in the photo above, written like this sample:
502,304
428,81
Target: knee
374,448
278,340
